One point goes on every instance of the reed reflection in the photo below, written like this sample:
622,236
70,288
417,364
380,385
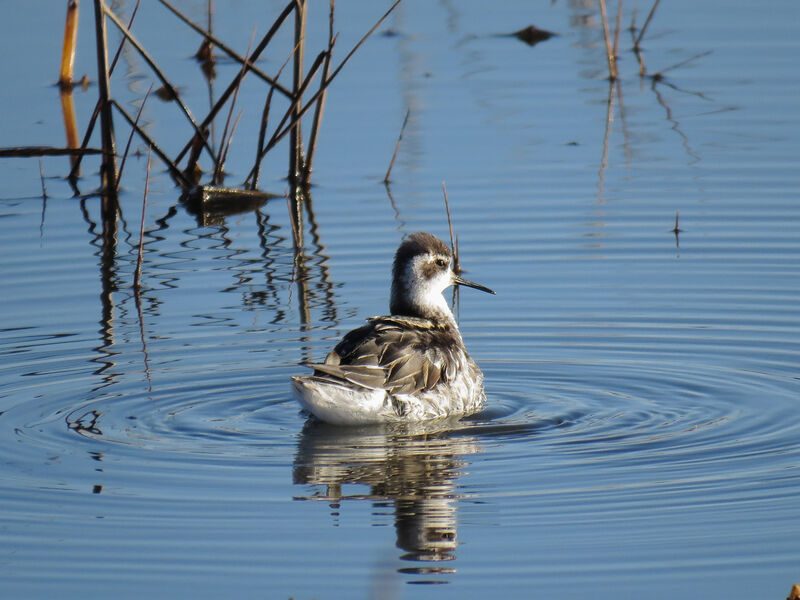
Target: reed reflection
410,468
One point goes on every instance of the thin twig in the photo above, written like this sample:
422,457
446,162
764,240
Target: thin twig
281,133
317,122
173,92
130,137
222,146
638,41
262,132
235,83
173,169
456,265
137,277
218,172
362,40
280,130
263,129
90,128
397,148
227,50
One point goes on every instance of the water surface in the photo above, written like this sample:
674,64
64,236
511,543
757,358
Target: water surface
641,434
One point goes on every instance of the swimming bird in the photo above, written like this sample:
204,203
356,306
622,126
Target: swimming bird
410,365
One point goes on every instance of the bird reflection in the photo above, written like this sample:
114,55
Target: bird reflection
413,467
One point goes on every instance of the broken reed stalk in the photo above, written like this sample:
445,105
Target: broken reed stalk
28,151
173,92
65,77
108,168
320,109
219,174
234,84
90,128
137,276
637,43
176,173
612,61
262,132
220,159
130,137
226,49
280,133
296,135
637,48
397,147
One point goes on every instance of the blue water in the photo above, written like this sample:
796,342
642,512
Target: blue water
644,387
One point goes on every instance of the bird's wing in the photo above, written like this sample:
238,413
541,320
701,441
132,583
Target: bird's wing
397,354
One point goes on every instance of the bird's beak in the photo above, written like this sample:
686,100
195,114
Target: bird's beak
460,281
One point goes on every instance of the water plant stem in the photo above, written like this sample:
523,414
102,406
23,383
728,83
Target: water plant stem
68,48
397,148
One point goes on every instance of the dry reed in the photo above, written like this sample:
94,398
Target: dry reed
397,148
68,49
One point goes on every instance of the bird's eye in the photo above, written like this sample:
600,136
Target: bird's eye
440,262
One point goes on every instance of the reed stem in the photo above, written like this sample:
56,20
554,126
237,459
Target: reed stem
295,134
73,174
173,93
612,60
182,180
397,148
108,169
235,83
453,239
320,109
226,49
68,48
130,137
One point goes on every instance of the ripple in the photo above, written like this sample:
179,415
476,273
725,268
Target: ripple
624,408
242,414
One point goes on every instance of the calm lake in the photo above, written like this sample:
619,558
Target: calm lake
642,435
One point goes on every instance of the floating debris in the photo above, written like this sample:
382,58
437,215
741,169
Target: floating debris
532,35
211,204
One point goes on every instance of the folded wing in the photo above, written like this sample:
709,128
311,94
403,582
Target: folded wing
401,355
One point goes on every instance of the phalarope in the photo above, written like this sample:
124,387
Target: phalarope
408,366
